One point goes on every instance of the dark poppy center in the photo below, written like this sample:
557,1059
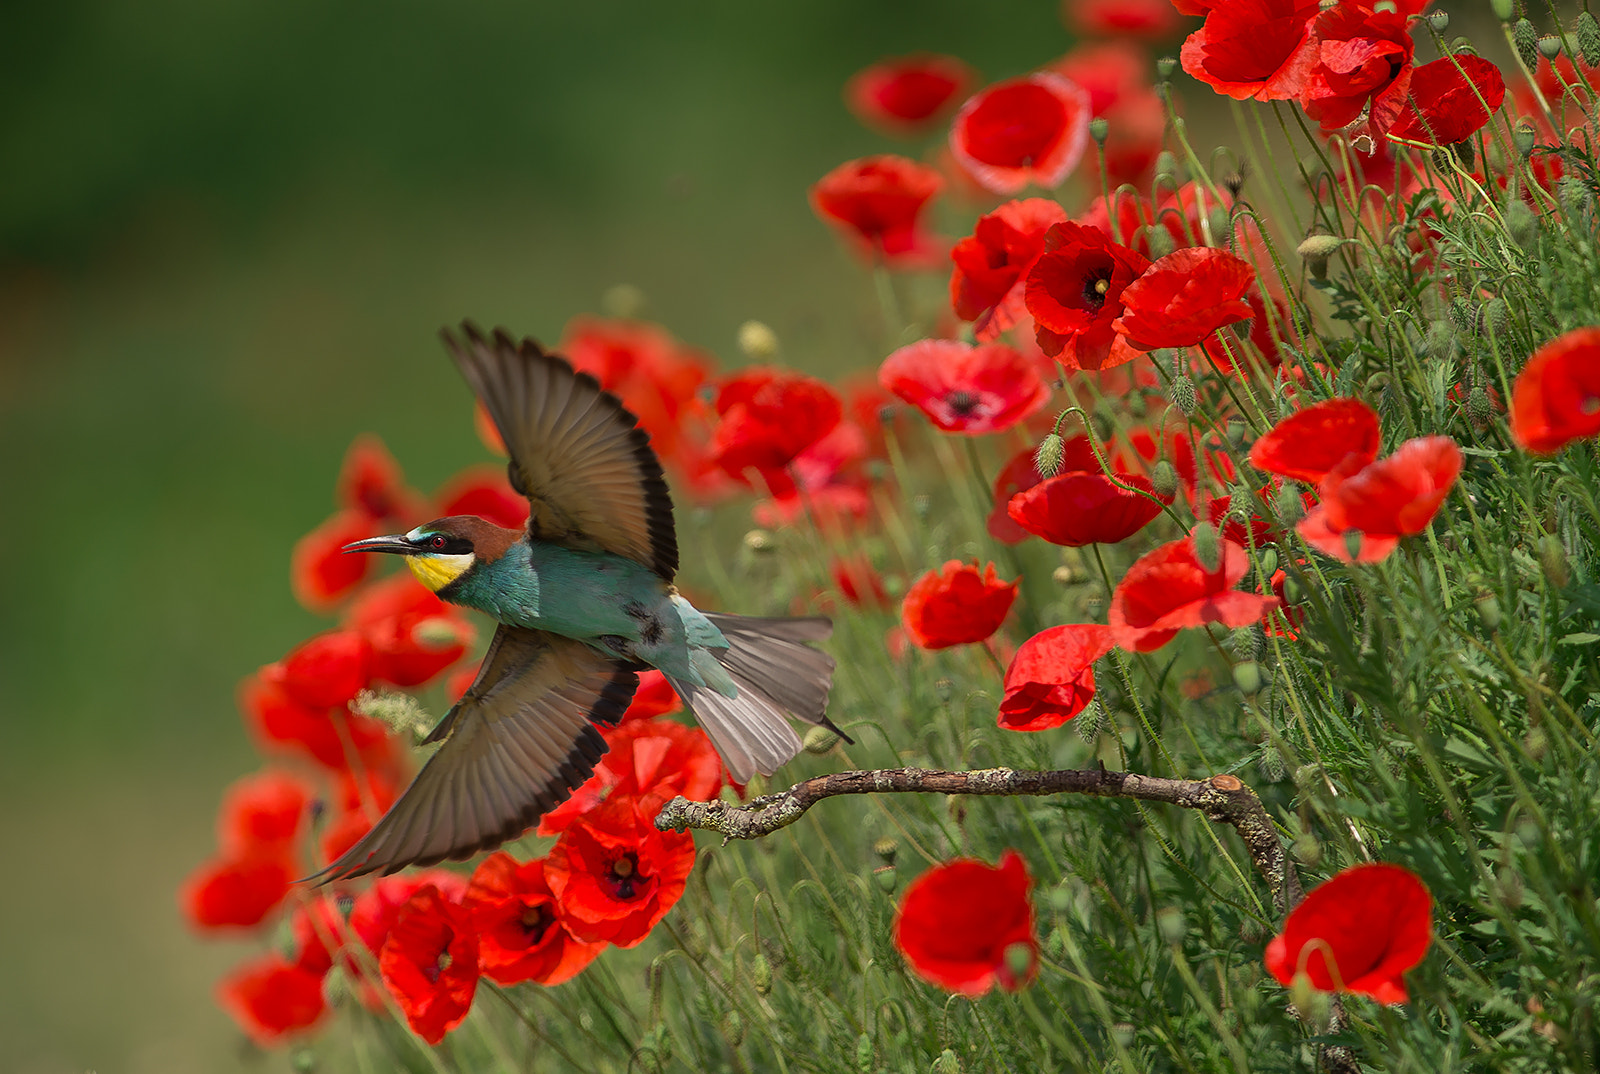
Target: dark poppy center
1095,288
962,402
536,921
435,969
624,876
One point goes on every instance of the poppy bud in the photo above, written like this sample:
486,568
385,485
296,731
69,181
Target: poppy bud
1167,165
1183,396
1098,129
1526,40
1553,560
1521,222
1207,550
1488,611
1159,241
947,1063
820,739
1549,46
761,974
1478,406
1164,480
1220,223
1020,958
1440,341
1289,506
1535,743
1248,642
1269,563
1247,677
1588,34
1496,316
758,341
1055,945
886,877
1352,543
1306,849
1315,250
1303,994
1439,21
733,1028
1236,431
303,1061
864,1053
758,541
1047,458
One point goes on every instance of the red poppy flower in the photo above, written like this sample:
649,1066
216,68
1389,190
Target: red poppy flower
317,929
1167,590
328,670
955,605
1446,108
859,584
237,892
904,94
370,481
1026,130
272,999
279,723
654,697
264,812
485,492
375,910
1556,397
1081,508
992,264
1051,679
1372,922
320,574
877,204
1184,297
957,921
1310,443
615,874
1267,328
1254,48
1074,292
518,921
414,635
1363,57
1386,500
965,389
822,485
769,416
646,757
1151,20
430,963
1022,473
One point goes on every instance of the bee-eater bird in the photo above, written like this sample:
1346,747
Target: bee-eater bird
585,599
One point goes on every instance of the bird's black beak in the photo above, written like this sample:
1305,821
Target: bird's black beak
395,543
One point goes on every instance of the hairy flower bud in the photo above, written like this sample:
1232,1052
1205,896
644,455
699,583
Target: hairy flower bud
1352,542
1288,505
733,1028
1247,677
947,1063
1171,925
1488,611
761,974
1163,480
1503,9
1526,39
1207,549
1479,409
1553,561
820,740
1587,31
1159,241
1183,395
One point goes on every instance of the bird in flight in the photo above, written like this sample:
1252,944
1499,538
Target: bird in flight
584,598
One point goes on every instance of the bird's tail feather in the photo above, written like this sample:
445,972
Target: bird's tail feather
777,673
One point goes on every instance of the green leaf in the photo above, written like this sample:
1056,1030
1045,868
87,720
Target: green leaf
1578,639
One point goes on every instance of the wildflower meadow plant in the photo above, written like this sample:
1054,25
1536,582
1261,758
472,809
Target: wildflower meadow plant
1212,554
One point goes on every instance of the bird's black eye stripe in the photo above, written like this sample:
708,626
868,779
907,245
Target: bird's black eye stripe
444,544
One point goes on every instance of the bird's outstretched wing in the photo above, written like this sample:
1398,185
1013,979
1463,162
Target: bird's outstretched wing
579,456
512,749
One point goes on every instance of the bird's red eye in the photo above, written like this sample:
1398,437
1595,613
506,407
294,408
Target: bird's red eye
438,541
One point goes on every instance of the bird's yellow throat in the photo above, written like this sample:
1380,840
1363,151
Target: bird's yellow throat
438,571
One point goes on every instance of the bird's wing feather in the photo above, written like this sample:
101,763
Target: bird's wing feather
513,748
588,470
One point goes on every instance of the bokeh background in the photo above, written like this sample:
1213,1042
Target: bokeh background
228,236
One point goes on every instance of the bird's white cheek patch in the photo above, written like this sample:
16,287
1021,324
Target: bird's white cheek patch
438,571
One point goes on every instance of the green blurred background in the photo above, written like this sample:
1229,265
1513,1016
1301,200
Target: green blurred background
230,233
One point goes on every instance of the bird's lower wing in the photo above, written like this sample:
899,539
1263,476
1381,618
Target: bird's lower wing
513,748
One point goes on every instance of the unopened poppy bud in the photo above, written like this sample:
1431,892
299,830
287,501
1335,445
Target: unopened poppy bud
1183,395
1236,431
1170,924
1019,959
1098,129
1524,137
1059,898
886,877
303,1061
1165,66
1315,251
1496,316
863,1053
1587,32
1526,40
733,1028
1164,480
1303,994
1550,46
1248,642
1574,194
1440,341
1478,406
1055,945
1503,9
1207,549
820,739
758,541
757,341
947,1063
1167,165
1247,677
1288,506
761,974
1306,849
1352,543
886,849
1158,240
1220,223
1047,457
1535,743
1522,224
437,632
1553,561
1269,563
1439,21
1488,606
